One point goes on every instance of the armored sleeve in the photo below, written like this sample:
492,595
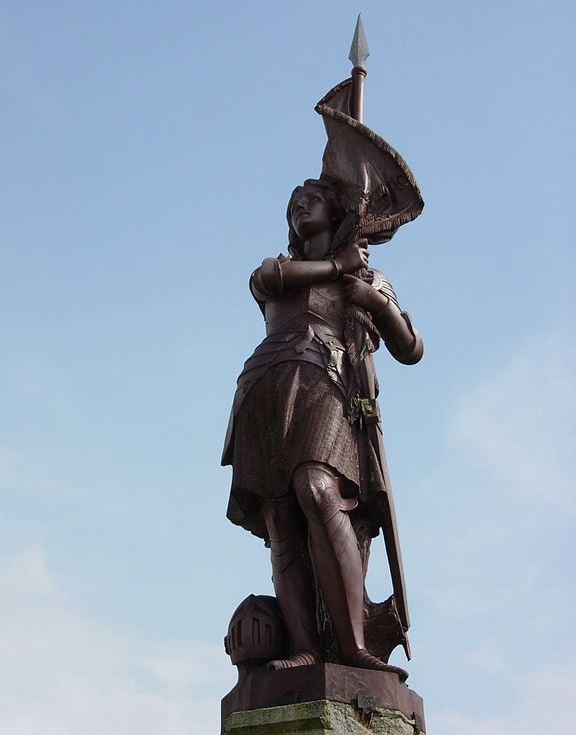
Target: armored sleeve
406,354
266,280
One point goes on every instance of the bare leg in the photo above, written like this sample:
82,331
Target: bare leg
293,581
336,558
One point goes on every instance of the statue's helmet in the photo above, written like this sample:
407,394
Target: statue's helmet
256,631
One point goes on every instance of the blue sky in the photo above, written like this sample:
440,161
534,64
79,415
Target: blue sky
148,151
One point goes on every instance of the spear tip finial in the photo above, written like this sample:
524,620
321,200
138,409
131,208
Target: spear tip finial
359,50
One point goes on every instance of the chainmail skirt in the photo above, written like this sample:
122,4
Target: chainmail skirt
293,414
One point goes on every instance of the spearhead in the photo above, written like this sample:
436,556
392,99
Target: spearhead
359,50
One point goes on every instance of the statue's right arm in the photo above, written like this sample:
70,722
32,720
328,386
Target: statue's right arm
277,276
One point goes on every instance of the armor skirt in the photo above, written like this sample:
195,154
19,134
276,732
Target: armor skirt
293,414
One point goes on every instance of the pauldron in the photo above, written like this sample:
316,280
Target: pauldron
383,286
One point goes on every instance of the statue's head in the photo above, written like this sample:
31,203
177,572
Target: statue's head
313,208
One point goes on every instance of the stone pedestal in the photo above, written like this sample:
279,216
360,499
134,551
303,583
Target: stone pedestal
319,718
325,699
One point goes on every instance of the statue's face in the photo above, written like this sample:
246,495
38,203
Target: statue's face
311,213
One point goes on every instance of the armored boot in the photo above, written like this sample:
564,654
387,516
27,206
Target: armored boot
293,583
336,559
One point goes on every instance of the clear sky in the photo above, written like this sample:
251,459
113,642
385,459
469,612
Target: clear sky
148,150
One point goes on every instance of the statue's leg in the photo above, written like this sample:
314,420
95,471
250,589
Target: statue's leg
336,558
293,581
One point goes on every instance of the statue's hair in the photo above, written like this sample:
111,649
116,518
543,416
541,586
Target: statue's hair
330,194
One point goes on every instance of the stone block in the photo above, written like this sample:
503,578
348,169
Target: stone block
319,718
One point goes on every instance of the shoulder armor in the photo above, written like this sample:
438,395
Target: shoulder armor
380,283
266,281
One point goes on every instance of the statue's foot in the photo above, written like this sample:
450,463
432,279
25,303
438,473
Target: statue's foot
306,658
364,660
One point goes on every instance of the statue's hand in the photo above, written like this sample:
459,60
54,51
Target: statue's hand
353,257
362,294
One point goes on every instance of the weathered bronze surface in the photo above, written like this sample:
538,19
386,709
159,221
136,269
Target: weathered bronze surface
305,439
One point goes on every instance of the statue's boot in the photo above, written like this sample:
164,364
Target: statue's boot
336,558
293,582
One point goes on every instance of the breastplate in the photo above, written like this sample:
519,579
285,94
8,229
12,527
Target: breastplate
322,302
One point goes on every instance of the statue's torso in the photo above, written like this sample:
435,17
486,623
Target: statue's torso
320,303
304,327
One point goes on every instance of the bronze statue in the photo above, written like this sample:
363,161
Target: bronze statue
304,440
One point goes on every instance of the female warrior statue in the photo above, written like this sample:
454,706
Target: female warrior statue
309,474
